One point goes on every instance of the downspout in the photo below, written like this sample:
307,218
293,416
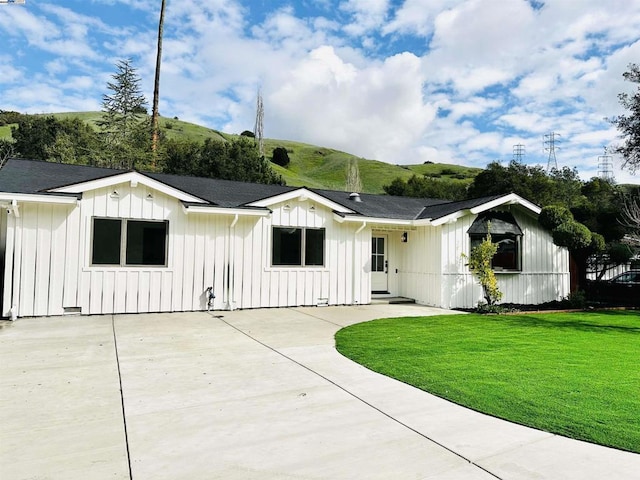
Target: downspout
231,274
356,298
13,294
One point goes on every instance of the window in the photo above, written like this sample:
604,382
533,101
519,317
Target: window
505,232
298,247
508,255
377,254
129,242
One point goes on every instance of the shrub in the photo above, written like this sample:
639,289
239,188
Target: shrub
480,266
572,235
280,156
576,300
248,133
553,216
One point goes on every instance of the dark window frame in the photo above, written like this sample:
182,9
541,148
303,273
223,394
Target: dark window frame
307,253
503,260
129,240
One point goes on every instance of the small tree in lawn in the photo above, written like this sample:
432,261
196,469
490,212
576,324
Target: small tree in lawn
480,266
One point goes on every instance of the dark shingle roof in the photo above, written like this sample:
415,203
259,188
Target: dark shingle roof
381,206
29,176
438,211
224,193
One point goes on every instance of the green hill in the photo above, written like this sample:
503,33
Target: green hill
310,165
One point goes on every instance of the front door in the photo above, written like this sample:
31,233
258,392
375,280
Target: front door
379,264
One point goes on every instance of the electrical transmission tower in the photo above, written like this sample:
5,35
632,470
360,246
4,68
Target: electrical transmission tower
518,153
605,166
550,146
258,129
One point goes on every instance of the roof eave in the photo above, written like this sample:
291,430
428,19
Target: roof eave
302,194
510,199
373,220
216,210
133,178
69,199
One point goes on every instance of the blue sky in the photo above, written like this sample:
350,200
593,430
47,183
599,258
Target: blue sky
402,81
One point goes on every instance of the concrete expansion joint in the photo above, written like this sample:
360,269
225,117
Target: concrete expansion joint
360,399
124,416
304,312
513,448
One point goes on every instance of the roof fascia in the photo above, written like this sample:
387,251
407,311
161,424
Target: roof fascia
302,195
134,178
372,220
247,212
451,218
35,198
510,199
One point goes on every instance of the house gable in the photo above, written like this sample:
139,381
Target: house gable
133,179
301,195
480,206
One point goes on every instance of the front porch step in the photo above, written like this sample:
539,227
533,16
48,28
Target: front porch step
387,299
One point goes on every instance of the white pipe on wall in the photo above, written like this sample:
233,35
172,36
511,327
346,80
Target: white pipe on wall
232,251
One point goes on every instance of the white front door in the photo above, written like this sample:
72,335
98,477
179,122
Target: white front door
379,264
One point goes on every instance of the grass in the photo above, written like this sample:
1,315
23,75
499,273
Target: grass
574,374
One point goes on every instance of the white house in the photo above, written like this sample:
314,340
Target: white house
78,239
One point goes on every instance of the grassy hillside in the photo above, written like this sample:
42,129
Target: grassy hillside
311,166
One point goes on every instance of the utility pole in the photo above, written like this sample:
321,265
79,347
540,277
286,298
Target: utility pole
258,129
156,88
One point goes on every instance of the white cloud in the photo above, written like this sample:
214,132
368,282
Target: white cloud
417,16
366,15
399,81
375,112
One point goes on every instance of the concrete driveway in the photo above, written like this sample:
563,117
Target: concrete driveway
253,394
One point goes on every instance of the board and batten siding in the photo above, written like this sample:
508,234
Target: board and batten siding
432,267
545,267
48,267
343,280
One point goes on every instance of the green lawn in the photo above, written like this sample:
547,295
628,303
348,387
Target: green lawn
575,374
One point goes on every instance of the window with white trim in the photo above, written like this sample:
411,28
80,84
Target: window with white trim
127,242
297,247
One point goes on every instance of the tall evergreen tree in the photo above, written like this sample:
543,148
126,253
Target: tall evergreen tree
124,123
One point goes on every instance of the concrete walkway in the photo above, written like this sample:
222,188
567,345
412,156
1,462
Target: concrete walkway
254,394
